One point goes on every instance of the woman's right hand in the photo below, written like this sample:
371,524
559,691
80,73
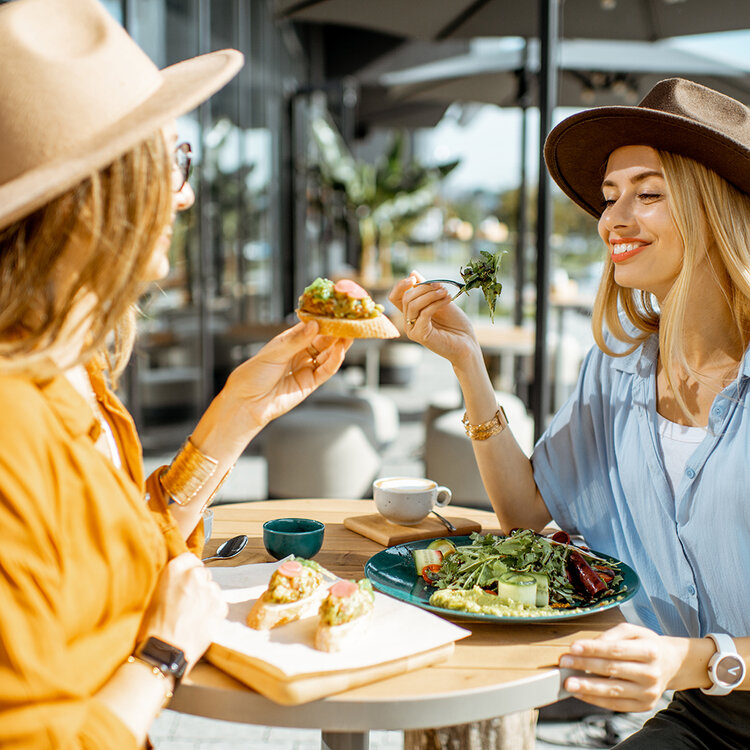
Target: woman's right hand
431,320
185,608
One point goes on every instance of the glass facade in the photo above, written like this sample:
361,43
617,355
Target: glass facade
232,263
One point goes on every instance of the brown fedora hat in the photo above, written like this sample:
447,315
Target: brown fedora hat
676,115
76,92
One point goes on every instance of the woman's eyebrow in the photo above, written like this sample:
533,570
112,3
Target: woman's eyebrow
639,177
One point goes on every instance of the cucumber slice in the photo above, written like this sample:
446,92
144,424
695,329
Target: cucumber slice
542,589
517,587
424,557
444,545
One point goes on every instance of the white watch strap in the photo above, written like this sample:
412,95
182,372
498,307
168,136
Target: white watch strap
730,676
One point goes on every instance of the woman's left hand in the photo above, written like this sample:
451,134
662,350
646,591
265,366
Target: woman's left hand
284,372
627,668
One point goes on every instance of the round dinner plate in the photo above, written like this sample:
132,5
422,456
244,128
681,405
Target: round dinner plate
392,571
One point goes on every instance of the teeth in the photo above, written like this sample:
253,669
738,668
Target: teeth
625,248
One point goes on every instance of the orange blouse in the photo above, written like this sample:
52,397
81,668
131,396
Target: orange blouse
80,554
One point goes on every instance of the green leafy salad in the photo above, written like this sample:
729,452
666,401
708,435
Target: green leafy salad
481,273
520,572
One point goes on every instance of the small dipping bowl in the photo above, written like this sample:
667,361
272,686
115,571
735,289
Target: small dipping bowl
301,537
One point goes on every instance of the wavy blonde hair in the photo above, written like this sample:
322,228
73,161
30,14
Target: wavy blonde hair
708,213
96,238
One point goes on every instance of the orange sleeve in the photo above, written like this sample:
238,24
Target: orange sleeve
45,683
158,503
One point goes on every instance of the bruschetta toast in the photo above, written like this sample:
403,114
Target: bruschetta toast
295,590
344,614
344,309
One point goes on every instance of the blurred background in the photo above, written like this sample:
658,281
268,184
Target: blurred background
363,140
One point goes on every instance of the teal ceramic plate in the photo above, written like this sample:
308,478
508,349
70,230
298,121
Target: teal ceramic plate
392,572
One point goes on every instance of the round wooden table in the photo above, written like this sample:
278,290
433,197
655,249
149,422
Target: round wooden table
499,669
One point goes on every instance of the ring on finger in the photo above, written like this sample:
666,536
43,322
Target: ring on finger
313,352
410,322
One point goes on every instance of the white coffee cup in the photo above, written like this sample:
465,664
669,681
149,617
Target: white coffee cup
408,500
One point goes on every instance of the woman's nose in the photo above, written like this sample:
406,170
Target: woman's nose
619,214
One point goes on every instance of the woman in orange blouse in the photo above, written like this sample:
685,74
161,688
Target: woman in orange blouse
103,602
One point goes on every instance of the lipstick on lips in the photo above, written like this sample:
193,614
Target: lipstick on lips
626,247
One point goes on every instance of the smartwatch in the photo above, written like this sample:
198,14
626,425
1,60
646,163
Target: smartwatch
169,660
726,669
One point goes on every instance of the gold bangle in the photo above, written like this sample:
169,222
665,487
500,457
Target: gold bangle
487,429
187,474
132,659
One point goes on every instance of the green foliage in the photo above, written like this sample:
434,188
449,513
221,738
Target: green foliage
393,193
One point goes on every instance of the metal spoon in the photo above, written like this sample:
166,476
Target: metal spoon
230,548
448,525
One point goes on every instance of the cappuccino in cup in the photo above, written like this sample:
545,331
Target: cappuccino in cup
408,500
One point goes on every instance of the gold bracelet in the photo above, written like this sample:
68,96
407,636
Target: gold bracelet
487,429
132,659
187,474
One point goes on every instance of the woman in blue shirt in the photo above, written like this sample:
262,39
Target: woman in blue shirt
650,457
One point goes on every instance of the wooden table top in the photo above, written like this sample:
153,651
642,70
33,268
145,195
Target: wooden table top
498,669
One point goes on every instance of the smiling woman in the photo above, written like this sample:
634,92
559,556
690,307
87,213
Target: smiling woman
655,435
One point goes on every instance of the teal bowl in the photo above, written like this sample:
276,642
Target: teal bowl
301,537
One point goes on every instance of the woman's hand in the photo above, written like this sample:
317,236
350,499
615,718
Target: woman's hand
628,667
284,372
185,608
431,320
281,375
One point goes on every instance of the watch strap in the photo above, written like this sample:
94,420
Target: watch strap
726,668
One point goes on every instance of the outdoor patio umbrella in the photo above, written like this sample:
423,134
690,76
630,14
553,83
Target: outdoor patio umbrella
588,19
548,20
591,73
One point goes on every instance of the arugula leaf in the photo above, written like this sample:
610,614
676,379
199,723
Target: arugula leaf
481,273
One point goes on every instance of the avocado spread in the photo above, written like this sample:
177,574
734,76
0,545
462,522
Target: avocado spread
322,298
337,610
478,601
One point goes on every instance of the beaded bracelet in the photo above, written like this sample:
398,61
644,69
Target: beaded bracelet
187,474
487,429
168,693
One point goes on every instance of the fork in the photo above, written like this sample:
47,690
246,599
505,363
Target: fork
443,281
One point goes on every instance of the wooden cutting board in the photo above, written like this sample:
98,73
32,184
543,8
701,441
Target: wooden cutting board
291,691
384,532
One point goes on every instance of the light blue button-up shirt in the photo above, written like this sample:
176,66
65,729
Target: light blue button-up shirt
600,471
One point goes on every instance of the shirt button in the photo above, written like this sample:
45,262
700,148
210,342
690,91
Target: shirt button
718,410
691,590
690,473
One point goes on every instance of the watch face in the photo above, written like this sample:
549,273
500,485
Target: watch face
729,670
161,653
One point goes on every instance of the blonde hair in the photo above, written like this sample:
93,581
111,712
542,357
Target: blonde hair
96,238
710,214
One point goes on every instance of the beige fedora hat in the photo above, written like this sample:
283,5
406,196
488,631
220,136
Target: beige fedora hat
676,115
76,92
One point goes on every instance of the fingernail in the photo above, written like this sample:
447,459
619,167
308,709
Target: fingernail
576,648
566,661
572,684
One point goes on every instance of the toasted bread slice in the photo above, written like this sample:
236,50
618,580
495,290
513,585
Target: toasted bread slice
379,327
337,637
344,614
266,614
295,590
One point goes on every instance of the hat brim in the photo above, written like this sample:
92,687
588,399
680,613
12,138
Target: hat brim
576,150
184,86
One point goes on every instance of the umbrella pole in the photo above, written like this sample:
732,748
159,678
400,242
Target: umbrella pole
549,14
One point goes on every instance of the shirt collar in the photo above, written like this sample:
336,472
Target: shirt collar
641,359
69,406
